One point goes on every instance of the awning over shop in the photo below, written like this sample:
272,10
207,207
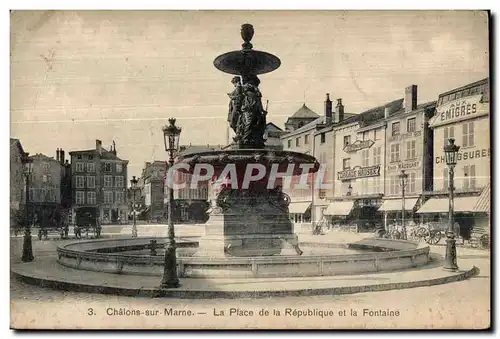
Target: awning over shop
484,202
339,207
441,205
397,204
298,207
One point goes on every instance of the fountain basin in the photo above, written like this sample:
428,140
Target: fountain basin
99,255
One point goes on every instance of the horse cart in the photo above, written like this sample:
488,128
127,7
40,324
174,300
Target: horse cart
87,223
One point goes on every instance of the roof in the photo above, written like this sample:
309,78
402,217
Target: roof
484,201
270,125
311,125
377,114
472,84
42,157
106,155
419,107
17,143
304,112
184,149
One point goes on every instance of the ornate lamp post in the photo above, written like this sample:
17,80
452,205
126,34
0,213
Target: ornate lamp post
403,177
133,186
450,154
171,134
27,245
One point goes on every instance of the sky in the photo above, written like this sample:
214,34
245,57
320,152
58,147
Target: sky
78,76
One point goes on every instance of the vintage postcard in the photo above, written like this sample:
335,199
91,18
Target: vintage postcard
250,169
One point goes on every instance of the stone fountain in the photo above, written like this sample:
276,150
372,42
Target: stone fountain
249,218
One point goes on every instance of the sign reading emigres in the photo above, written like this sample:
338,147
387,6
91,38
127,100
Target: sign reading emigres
461,109
359,172
358,145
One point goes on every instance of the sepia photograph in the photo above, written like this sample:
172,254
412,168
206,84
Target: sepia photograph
250,169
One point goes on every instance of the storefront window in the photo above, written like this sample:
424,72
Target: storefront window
468,134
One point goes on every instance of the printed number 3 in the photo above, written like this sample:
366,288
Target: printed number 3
90,311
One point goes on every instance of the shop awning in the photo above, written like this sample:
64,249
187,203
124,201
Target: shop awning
397,204
339,207
483,204
298,207
441,205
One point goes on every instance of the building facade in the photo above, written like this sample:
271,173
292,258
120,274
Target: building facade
99,180
153,176
464,115
17,181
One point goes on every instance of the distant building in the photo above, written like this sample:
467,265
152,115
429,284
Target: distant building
99,180
273,136
153,175
47,180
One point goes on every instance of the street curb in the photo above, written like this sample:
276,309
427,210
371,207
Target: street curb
211,294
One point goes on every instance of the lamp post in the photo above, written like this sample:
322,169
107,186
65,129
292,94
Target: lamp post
133,186
27,245
450,154
171,134
403,176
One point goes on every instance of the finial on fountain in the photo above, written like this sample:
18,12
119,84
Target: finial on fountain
247,35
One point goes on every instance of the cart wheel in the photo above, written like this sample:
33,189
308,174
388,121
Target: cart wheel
434,237
484,241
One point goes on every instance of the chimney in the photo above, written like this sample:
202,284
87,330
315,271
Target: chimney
98,146
410,98
339,111
328,109
57,154
114,148
61,156
387,112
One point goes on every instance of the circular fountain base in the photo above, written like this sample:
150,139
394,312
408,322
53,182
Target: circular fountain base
120,257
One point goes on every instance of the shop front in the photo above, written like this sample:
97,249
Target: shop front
392,211
300,214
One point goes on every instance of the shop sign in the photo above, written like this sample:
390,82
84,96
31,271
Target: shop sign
465,155
460,109
403,165
358,145
405,136
359,172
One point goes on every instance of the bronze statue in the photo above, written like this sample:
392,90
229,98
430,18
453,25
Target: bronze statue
247,116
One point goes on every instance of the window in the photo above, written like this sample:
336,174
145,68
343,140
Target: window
119,197
365,135
375,135
297,142
364,185
376,185
469,177
289,143
91,200
107,167
347,140
411,151
323,138
449,132
90,182
91,157
80,181
80,167
410,125
108,181
45,166
395,152
119,181
119,168
346,163
80,197
468,134
108,197
395,128
79,156
411,182
394,185
365,154
306,139
377,151
90,167
446,183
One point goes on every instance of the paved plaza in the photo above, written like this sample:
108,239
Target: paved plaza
440,306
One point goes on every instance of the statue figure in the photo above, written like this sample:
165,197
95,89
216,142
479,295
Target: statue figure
252,121
236,98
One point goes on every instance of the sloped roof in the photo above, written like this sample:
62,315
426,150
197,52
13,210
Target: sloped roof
44,157
106,155
17,142
271,126
304,112
377,114
484,202
401,110
185,149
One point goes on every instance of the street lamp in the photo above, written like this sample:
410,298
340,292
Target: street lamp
171,134
133,186
27,245
403,177
450,154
